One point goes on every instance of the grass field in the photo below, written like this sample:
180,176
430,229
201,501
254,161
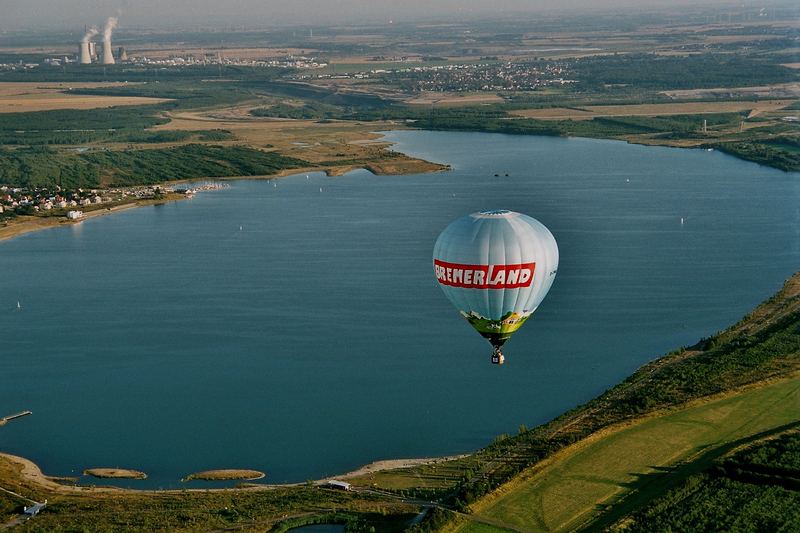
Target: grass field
480,527
755,488
331,143
427,98
23,97
636,110
779,90
570,490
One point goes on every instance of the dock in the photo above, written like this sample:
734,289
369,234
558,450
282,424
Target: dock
8,418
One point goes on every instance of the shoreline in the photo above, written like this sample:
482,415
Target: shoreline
32,472
396,464
32,223
24,475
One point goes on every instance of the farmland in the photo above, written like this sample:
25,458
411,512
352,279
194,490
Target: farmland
754,109
24,97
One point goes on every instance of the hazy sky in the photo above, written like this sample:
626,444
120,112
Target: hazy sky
65,13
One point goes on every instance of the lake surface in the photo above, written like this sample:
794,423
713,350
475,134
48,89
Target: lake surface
315,339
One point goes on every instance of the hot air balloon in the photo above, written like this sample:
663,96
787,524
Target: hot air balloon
496,267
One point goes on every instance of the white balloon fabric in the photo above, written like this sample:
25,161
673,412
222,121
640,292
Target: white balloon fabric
496,268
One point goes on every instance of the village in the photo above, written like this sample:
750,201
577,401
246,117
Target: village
43,201
491,75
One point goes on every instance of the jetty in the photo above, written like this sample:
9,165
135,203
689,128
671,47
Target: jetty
8,418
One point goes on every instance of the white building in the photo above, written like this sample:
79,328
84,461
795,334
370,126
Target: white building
34,509
339,485
74,215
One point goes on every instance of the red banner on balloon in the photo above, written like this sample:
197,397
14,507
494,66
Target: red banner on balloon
484,276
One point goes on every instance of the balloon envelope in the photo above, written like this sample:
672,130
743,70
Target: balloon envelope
496,268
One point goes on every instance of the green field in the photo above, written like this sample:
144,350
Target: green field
480,527
754,489
724,504
587,477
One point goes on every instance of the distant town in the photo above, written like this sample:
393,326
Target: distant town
484,76
494,76
43,201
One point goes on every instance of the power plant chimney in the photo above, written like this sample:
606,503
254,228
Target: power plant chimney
108,54
83,53
86,51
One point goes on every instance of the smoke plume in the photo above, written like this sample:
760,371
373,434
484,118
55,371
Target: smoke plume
111,23
91,32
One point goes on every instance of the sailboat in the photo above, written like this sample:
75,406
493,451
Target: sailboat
18,305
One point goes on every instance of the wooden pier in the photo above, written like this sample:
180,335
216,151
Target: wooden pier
8,418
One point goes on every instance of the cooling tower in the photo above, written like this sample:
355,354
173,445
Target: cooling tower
84,56
122,54
108,54
93,50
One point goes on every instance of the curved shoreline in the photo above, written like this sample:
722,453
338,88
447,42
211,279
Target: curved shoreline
746,403
31,224
30,471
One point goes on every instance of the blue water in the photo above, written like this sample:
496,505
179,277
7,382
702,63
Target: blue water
315,339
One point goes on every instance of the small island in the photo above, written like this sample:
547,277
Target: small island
226,475
114,473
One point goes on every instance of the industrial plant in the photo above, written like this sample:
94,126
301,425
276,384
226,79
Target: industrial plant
87,48
96,48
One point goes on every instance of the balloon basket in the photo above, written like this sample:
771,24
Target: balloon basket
497,357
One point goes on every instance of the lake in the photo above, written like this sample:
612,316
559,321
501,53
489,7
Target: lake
295,327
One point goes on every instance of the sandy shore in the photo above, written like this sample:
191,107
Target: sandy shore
31,472
28,224
226,475
396,464
114,473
